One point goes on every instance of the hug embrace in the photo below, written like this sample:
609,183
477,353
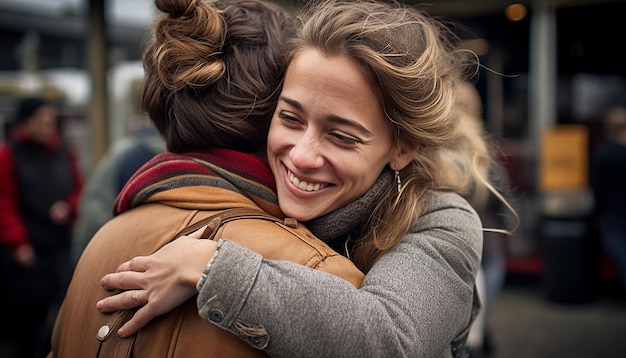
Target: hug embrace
344,123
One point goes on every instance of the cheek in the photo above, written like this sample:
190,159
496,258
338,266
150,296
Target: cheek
272,143
278,137
276,145
362,173
363,180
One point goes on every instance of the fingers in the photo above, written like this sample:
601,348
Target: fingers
138,263
139,319
128,300
127,275
122,301
126,280
198,233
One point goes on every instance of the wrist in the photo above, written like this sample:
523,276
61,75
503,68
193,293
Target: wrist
208,266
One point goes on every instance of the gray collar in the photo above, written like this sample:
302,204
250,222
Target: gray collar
348,218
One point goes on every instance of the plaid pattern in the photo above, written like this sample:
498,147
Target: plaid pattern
238,172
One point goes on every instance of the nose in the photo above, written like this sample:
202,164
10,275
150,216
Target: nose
307,154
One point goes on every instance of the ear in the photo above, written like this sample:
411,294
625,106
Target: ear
402,158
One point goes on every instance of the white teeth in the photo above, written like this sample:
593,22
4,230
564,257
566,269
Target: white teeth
303,185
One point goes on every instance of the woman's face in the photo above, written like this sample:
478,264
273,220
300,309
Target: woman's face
329,138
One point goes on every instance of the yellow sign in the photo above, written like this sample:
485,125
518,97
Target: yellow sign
564,159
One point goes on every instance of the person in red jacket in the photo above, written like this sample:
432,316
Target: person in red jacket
39,187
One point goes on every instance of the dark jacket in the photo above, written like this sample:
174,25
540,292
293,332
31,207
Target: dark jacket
32,177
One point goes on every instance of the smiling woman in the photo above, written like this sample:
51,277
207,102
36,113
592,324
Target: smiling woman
329,139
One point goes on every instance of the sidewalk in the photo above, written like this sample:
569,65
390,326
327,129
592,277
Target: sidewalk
525,324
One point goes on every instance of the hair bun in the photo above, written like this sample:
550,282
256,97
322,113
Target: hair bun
187,44
176,8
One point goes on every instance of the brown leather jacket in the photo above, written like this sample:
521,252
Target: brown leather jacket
82,331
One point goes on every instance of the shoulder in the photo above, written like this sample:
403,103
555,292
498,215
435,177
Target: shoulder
448,202
450,217
445,240
275,239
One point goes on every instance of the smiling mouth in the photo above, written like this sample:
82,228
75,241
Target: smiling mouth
304,185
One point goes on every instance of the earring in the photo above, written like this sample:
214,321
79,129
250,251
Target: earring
398,181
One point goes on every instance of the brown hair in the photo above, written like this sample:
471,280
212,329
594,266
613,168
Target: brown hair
213,72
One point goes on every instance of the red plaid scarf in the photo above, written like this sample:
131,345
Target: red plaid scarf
226,169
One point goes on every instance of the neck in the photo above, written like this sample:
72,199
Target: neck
351,217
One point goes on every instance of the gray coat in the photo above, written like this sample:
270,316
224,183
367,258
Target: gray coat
414,301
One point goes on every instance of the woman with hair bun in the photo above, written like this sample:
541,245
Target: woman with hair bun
211,74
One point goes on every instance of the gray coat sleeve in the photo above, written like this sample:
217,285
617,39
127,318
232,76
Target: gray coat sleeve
413,302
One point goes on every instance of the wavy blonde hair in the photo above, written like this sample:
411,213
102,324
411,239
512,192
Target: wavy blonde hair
416,64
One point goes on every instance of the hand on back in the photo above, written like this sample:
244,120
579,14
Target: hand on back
159,282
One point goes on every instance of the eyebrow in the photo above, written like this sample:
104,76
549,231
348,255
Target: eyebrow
332,118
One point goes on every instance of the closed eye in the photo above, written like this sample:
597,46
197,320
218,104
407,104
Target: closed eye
345,140
288,119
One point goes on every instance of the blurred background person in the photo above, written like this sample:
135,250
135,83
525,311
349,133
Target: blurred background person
40,182
494,213
609,188
108,178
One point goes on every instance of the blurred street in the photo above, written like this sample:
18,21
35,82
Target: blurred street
525,324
